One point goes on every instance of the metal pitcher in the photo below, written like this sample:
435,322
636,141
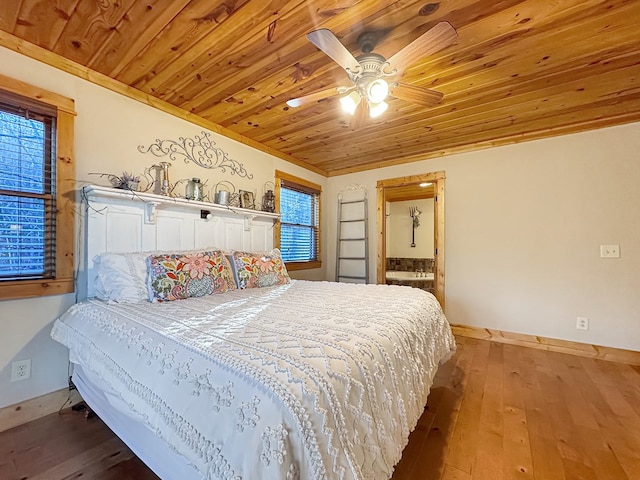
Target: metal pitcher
221,197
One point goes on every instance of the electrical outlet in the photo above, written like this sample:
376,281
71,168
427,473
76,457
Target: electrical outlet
582,323
609,251
21,370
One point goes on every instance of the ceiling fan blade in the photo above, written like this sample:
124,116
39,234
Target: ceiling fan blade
326,41
360,116
432,41
314,97
420,95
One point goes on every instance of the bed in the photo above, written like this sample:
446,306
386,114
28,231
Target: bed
297,380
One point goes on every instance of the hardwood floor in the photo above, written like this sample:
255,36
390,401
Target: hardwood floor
495,412
505,412
67,446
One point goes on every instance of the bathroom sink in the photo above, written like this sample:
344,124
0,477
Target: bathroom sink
408,276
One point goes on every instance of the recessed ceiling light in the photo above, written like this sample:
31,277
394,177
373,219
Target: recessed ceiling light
425,184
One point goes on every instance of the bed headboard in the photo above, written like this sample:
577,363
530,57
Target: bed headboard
124,221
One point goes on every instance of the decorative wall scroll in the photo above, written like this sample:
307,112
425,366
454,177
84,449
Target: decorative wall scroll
201,150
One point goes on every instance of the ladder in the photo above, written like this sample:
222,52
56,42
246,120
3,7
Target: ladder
352,250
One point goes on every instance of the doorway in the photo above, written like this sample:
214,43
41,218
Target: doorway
408,188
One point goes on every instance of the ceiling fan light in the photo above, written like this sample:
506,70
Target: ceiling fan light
377,91
377,109
350,102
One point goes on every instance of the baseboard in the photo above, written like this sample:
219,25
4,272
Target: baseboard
34,408
620,355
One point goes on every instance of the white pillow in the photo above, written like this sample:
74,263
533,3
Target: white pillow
121,277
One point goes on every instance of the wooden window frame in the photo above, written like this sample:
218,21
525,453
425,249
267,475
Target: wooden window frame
282,176
64,191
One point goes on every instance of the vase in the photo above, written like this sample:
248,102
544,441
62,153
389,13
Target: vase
131,185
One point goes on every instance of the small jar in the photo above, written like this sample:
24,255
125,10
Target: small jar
194,189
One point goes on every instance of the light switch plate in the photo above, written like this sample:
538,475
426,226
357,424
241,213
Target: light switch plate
609,251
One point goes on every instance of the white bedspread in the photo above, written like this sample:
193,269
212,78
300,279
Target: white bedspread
312,380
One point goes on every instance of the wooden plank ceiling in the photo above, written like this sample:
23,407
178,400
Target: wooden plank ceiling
521,69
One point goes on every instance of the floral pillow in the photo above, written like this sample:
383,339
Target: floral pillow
175,276
253,270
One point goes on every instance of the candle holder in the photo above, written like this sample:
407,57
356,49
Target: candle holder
165,185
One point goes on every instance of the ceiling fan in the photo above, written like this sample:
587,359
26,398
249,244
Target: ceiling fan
368,72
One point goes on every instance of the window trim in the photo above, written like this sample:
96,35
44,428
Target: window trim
65,194
282,176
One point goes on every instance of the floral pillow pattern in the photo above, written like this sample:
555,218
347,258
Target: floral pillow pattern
255,270
176,276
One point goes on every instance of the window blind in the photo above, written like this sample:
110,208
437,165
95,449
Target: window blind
299,232
27,194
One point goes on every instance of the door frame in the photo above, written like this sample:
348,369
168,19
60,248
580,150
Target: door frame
438,179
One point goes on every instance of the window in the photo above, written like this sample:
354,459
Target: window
36,191
27,204
299,229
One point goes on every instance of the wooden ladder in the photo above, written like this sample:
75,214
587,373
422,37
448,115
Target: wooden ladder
352,250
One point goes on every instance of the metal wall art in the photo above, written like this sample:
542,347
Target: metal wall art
200,150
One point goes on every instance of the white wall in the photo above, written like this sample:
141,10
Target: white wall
523,228
108,129
399,225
